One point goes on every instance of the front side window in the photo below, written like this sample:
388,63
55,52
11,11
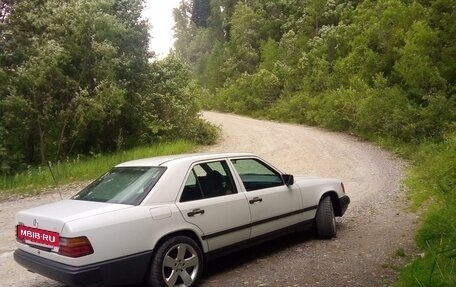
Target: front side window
125,185
256,174
208,180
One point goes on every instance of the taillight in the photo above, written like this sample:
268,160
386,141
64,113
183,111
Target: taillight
343,187
20,240
75,247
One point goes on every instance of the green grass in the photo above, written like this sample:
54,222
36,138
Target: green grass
35,179
432,183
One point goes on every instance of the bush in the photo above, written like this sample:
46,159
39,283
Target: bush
291,109
335,109
250,94
202,132
386,112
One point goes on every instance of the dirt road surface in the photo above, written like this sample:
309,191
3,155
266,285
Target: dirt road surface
374,237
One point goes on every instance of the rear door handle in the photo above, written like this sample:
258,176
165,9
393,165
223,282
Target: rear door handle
255,199
195,212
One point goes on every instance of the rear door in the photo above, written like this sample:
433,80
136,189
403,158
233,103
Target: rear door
211,201
273,205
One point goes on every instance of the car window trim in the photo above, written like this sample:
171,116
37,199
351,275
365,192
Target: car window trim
229,174
270,166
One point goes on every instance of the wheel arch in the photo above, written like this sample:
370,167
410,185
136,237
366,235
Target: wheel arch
184,232
154,277
334,200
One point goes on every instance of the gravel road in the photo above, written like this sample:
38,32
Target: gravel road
375,236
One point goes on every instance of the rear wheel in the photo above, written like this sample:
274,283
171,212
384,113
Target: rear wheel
177,262
325,219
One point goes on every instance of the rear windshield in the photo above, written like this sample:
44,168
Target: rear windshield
125,185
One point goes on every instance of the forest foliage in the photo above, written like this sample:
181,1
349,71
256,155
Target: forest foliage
76,78
375,68
383,70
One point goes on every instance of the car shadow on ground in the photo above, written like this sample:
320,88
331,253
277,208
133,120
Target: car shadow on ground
245,256
249,255
236,259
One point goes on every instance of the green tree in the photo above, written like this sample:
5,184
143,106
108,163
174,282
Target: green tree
245,39
216,22
442,18
201,10
416,66
374,37
315,10
227,8
269,54
214,75
183,30
78,76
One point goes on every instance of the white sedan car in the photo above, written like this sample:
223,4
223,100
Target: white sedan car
159,220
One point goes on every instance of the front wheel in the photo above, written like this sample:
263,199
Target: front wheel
177,263
325,219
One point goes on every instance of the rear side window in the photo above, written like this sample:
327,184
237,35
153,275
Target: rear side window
125,185
256,174
208,180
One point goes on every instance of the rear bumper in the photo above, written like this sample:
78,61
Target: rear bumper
121,271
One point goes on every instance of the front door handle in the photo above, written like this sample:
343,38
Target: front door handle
195,212
255,199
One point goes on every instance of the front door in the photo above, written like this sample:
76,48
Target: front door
273,205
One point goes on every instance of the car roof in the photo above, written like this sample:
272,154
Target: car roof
183,158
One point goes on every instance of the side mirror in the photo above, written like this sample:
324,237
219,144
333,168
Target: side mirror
288,179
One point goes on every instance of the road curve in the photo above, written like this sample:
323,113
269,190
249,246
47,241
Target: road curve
375,230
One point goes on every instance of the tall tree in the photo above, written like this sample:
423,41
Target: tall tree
315,10
215,22
183,29
227,12
201,10
245,39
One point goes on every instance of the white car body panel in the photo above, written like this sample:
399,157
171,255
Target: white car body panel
276,202
53,216
220,214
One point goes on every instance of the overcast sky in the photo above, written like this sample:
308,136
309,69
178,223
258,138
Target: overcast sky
160,16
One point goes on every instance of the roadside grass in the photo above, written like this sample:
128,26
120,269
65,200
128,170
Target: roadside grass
33,180
432,183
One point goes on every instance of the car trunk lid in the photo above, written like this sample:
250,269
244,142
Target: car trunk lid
53,216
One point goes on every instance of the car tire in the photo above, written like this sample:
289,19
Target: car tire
176,262
325,220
